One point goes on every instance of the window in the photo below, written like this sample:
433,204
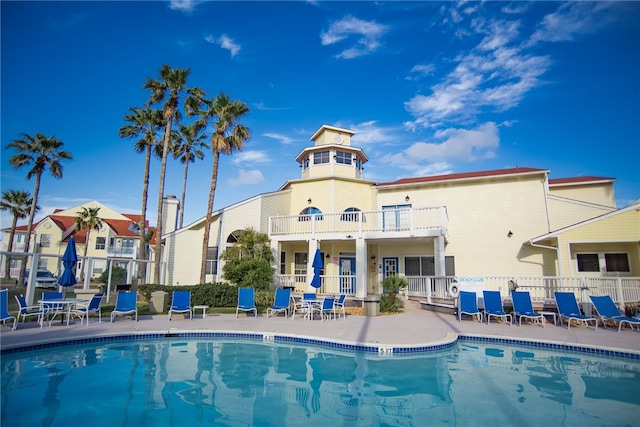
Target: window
605,262
425,266
321,157
283,262
212,260
305,214
233,237
358,164
101,243
351,214
300,268
45,240
128,243
343,157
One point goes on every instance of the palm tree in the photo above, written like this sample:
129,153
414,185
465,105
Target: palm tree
187,147
144,123
228,136
38,152
18,203
170,87
87,219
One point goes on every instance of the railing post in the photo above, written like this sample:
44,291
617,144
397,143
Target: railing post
619,293
429,283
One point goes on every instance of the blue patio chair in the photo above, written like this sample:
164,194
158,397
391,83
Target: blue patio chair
53,309
247,301
93,307
181,303
304,305
25,310
4,309
607,310
493,307
523,307
339,303
281,302
568,309
126,303
468,305
326,308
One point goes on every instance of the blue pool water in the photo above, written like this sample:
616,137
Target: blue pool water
217,382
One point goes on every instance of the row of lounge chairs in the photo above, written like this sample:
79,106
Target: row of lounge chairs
126,304
566,303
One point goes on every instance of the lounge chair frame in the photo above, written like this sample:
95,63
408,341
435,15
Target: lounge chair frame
568,309
523,307
4,309
468,304
493,307
607,310
247,301
180,303
281,302
126,303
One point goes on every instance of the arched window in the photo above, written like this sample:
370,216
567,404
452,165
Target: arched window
351,214
233,237
305,214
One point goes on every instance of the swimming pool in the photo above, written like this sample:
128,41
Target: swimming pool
241,382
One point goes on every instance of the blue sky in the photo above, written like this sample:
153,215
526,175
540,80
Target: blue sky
429,87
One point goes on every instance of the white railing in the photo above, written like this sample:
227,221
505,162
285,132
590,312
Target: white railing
622,290
411,221
339,284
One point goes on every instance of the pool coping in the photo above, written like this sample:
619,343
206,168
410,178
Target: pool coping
449,341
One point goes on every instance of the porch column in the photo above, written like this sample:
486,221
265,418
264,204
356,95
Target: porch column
313,246
362,270
274,245
438,252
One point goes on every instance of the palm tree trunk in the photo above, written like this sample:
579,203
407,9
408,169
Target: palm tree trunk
32,212
7,271
163,170
207,222
184,191
86,249
143,213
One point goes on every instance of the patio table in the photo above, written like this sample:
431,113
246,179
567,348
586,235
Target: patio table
67,302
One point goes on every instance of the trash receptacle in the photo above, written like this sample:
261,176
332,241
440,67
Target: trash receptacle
372,305
158,303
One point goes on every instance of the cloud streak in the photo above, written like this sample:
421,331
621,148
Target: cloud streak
366,33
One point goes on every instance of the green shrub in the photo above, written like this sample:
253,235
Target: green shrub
118,276
389,305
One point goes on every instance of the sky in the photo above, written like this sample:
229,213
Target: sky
429,88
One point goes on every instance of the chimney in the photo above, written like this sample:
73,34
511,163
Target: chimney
170,208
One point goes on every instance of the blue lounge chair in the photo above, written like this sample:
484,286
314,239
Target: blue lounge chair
247,301
126,303
468,305
25,310
93,307
181,303
522,307
281,302
607,310
4,309
493,307
568,309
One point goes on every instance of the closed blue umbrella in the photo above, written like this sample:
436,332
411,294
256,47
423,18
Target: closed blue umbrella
69,260
317,266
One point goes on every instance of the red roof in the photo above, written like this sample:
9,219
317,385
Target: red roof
579,180
459,176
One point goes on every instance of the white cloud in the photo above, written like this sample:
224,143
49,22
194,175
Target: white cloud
250,157
282,138
224,42
183,5
421,70
368,34
456,145
247,177
570,19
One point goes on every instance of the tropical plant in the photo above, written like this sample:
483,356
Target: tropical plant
169,88
144,123
18,203
87,219
248,260
118,276
228,136
187,148
37,152
393,285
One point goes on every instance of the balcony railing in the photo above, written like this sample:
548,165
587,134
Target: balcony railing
117,250
411,221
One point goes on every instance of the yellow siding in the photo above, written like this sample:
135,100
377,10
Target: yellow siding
330,196
565,213
600,194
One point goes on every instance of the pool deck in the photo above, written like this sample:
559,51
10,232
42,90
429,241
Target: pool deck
415,327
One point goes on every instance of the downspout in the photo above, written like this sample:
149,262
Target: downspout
535,245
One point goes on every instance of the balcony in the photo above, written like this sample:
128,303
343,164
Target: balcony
120,251
386,223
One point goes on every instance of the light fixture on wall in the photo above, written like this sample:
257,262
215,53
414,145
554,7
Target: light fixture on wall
327,256
406,199
510,233
309,200
373,257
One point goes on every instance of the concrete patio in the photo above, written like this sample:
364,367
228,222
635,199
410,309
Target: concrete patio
415,327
